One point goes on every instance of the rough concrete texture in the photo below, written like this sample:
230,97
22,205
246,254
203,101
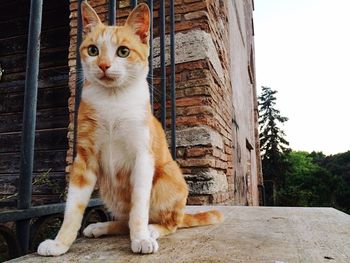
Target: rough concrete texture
206,181
200,135
190,46
248,234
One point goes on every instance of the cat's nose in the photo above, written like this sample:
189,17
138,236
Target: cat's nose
104,66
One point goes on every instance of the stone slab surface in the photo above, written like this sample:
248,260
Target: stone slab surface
248,234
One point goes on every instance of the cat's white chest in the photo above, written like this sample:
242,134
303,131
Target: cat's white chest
114,138
121,129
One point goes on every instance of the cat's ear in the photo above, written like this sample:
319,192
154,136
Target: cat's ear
139,21
89,17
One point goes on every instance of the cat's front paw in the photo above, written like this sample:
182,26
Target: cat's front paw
52,248
144,246
153,231
94,230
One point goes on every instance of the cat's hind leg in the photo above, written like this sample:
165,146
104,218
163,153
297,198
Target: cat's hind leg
167,206
106,228
166,222
156,230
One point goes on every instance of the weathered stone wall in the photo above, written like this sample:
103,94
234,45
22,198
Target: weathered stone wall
213,96
247,177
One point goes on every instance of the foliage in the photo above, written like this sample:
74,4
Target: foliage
273,145
272,141
307,183
339,165
295,178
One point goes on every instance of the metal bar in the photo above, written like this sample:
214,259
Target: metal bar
29,120
133,3
172,80
263,196
150,58
162,62
112,10
79,77
13,246
38,211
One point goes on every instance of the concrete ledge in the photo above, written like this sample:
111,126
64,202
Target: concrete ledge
248,234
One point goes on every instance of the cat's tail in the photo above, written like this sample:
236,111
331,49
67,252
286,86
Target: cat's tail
201,219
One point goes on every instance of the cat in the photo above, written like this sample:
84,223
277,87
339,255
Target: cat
121,146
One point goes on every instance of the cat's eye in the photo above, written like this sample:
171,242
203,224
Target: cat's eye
123,52
92,50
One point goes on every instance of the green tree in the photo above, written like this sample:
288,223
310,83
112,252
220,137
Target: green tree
272,140
273,144
339,165
309,183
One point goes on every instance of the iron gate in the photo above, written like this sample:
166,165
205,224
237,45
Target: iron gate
19,243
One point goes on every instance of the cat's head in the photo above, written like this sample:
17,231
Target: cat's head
115,56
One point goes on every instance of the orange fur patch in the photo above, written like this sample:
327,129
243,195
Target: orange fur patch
118,227
87,123
117,195
81,208
157,174
124,190
169,218
202,219
86,127
78,180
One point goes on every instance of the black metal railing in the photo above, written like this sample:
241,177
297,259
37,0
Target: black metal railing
29,120
22,241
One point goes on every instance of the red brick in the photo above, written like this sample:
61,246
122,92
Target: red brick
192,1
198,200
190,7
198,100
194,110
197,162
197,151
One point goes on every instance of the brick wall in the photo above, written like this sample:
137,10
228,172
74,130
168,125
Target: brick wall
210,102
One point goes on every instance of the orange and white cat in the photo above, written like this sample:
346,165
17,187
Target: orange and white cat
121,145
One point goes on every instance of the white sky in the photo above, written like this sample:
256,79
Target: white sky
302,50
